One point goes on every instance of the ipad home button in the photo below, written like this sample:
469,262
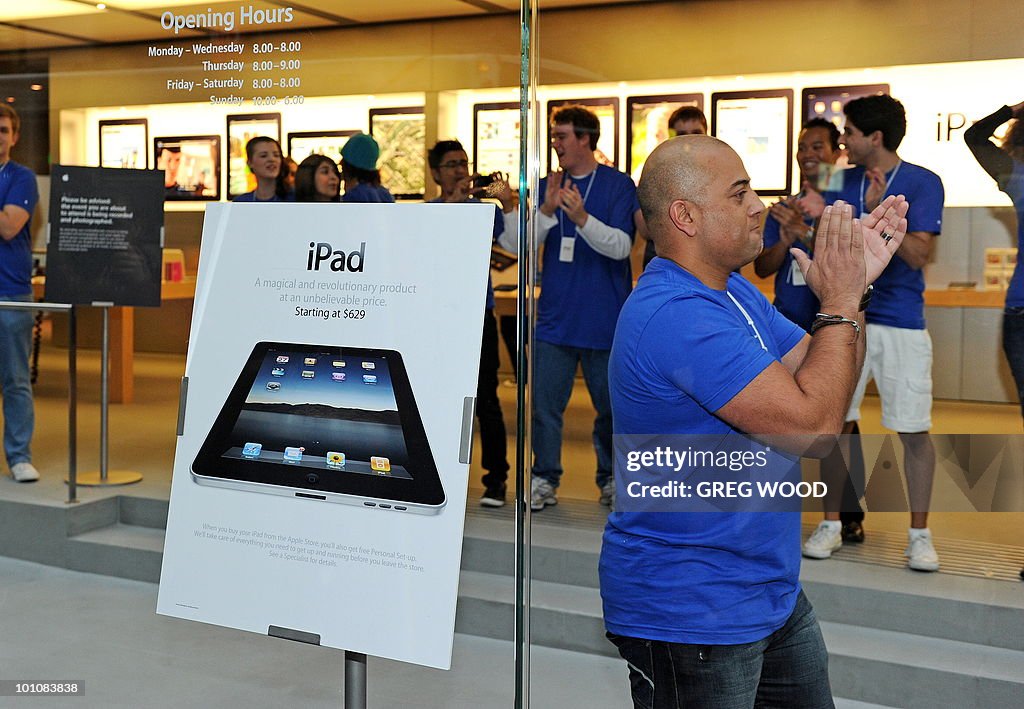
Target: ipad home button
312,478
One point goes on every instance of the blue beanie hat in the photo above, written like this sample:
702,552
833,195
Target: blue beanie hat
361,151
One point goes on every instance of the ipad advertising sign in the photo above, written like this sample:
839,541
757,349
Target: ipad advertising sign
323,454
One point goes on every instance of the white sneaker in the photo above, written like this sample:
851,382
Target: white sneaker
542,493
921,552
825,540
24,472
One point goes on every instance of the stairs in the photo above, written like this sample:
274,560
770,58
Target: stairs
896,638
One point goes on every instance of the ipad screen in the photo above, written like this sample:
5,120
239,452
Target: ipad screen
335,414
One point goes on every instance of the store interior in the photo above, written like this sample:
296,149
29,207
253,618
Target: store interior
95,85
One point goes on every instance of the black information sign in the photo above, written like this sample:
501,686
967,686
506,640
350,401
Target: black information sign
106,229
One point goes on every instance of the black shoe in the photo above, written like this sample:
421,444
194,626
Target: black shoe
494,496
853,533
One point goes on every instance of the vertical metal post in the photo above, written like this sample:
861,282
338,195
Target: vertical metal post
72,406
105,476
104,394
528,180
355,680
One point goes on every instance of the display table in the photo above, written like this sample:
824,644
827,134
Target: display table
122,336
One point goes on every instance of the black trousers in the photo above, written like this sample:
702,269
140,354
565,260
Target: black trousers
493,444
850,510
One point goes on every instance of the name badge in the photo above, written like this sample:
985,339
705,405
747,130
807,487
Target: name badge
567,250
796,276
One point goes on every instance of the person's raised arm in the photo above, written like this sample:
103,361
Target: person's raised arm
989,155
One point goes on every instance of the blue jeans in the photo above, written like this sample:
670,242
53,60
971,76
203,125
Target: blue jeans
15,382
1013,346
554,370
788,670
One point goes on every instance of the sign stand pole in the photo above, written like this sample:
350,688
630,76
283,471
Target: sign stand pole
104,477
355,680
72,405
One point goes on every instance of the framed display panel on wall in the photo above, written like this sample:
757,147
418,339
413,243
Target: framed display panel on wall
402,136
496,138
647,125
241,129
828,101
759,126
324,142
607,111
191,166
125,143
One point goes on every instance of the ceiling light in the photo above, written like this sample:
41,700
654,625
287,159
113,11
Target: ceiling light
37,87
10,99
101,6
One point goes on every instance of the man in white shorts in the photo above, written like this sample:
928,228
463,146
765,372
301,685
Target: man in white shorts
899,349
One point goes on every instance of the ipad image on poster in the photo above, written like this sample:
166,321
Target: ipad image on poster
331,423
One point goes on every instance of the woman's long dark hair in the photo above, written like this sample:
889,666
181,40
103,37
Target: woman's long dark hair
305,178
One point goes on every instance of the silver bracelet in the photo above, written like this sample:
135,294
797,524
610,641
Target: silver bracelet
824,320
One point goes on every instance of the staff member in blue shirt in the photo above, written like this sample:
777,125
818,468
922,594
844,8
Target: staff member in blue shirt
18,197
586,221
899,354
706,607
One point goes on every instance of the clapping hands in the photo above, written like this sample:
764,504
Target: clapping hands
851,253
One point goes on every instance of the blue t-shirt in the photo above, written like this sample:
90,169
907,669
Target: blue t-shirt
682,351
797,302
898,299
17,187
580,300
366,193
499,229
1014,186
251,197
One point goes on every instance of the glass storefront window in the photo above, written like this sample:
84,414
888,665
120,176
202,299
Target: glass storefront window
181,89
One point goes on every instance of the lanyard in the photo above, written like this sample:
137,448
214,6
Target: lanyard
561,214
750,321
863,179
